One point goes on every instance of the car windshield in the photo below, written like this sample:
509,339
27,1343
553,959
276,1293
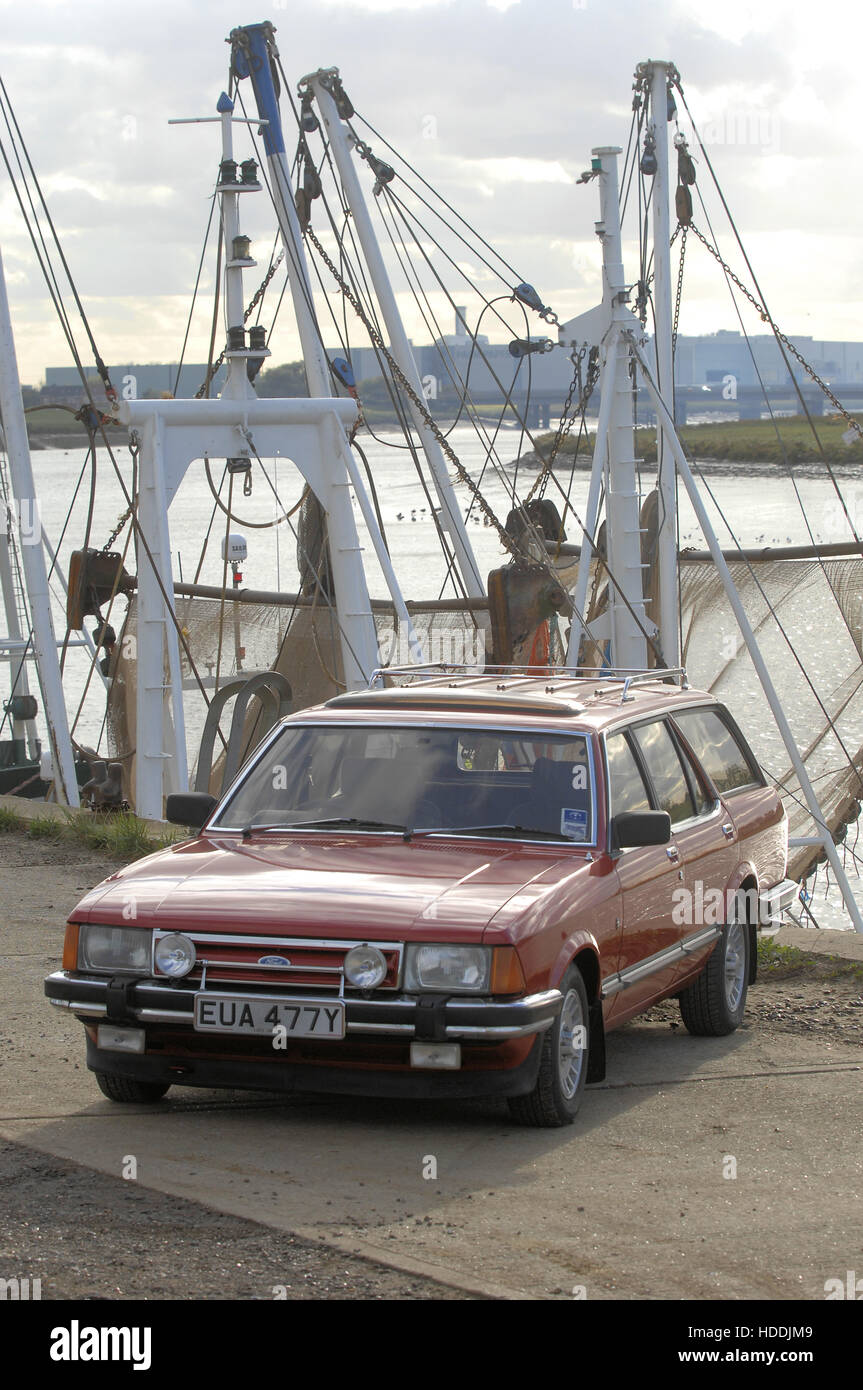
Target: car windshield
451,780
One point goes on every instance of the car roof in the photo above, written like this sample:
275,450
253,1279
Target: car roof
597,701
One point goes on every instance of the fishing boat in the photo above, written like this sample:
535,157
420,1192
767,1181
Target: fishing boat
622,597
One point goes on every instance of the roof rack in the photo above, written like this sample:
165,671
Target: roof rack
628,675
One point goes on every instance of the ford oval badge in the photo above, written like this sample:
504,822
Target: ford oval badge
273,960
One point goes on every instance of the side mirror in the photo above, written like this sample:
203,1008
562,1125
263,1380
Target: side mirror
633,829
190,808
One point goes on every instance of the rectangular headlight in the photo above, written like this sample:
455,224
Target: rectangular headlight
114,948
455,969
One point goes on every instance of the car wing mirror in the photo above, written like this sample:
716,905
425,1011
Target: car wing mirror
634,829
190,808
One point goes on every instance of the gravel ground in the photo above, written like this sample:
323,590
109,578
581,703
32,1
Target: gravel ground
88,1236
818,996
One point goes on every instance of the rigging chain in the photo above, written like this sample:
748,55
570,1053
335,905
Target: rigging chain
134,450
684,229
464,477
567,420
766,318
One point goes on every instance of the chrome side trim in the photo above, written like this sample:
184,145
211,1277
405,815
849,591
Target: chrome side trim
623,979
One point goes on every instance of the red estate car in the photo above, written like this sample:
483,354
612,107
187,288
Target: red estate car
451,888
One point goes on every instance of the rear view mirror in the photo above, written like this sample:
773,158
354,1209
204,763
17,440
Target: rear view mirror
633,829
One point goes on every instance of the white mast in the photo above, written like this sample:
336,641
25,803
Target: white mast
626,624
450,516
669,622
33,560
252,59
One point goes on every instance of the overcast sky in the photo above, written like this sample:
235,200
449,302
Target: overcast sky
497,103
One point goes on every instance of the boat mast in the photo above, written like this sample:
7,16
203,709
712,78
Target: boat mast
44,641
251,49
625,625
666,481
450,516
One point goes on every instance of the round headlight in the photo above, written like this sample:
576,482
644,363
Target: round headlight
365,966
175,955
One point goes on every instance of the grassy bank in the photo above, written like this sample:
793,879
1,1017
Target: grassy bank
120,836
749,441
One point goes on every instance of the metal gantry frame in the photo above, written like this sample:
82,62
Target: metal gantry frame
312,433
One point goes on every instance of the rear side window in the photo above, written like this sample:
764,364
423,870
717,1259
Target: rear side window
725,760
628,792
665,770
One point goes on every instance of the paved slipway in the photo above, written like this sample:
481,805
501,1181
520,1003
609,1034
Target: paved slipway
700,1169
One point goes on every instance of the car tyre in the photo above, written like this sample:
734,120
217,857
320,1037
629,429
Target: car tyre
556,1097
714,1004
129,1091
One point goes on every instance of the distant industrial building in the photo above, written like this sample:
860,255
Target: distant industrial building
709,359
134,381
492,372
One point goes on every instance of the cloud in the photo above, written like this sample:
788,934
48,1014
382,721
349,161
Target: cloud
498,104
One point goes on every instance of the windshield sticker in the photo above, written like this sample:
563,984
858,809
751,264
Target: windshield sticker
573,824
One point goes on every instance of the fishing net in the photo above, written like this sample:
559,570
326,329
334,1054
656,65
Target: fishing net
297,637
820,607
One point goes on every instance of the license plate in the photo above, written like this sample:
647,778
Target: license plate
260,1015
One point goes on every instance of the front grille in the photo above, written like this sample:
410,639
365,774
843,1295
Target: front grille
314,963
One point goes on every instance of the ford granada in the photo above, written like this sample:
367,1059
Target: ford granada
455,887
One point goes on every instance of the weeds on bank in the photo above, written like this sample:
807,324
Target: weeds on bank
773,958
776,962
120,836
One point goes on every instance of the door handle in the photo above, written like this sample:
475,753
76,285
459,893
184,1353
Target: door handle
728,830
673,853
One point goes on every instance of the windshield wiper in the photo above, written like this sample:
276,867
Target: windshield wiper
500,830
339,823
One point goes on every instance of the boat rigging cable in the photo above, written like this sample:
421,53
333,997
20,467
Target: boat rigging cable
515,550
34,230
781,339
367,319
300,280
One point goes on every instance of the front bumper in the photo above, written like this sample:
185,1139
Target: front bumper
433,1018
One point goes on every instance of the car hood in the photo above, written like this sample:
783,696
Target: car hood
377,887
